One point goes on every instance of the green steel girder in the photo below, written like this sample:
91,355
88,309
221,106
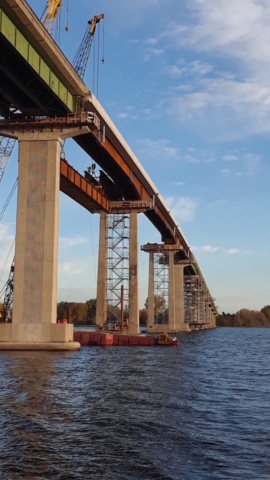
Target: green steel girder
26,81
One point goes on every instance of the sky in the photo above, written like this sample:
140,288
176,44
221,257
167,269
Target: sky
187,85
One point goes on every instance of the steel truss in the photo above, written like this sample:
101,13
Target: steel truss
161,287
118,266
6,149
195,300
8,300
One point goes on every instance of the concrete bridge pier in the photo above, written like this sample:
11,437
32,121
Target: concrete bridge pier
101,310
171,293
134,320
180,325
36,251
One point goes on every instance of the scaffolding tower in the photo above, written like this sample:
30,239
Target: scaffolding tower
118,266
161,288
194,300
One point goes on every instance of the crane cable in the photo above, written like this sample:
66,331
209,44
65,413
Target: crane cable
8,199
3,291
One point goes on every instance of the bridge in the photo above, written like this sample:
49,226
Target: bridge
43,102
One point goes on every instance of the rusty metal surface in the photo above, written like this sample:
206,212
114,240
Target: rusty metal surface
160,248
76,187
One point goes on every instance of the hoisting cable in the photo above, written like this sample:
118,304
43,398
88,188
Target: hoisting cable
103,58
3,291
6,260
67,25
98,58
8,199
94,64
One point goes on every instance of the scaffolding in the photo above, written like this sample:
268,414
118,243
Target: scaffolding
194,300
118,267
161,288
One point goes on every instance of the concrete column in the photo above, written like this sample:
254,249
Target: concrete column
134,321
171,293
151,298
36,249
179,299
101,311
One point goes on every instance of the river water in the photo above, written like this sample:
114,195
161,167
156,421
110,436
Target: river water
199,411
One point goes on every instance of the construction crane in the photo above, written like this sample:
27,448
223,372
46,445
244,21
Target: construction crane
50,14
6,149
82,56
8,299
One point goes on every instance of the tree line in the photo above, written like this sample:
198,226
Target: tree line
245,318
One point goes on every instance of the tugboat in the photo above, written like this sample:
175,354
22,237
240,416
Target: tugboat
165,339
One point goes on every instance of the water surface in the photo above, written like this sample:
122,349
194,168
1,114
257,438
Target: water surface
199,411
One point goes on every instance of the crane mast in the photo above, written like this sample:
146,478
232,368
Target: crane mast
50,15
82,56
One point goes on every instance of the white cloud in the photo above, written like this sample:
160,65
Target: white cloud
151,41
71,241
236,105
73,266
182,68
252,163
153,52
205,248
225,171
122,115
158,148
230,158
178,184
182,208
232,251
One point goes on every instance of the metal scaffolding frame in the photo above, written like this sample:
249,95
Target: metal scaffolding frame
118,265
161,286
194,300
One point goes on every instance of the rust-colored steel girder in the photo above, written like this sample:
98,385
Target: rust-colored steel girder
76,187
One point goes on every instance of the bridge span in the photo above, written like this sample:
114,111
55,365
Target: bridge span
43,102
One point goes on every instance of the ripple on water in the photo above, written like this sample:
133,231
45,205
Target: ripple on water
200,411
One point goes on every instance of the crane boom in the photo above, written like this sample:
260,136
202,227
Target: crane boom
6,149
50,14
81,58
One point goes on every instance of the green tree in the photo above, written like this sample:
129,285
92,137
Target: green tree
266,312
159,304
91,311
143,317
78,312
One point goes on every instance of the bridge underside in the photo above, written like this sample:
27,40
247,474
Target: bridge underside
21,88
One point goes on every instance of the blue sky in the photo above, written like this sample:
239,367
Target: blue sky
187,85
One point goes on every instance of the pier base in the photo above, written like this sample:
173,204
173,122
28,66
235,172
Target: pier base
37,337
